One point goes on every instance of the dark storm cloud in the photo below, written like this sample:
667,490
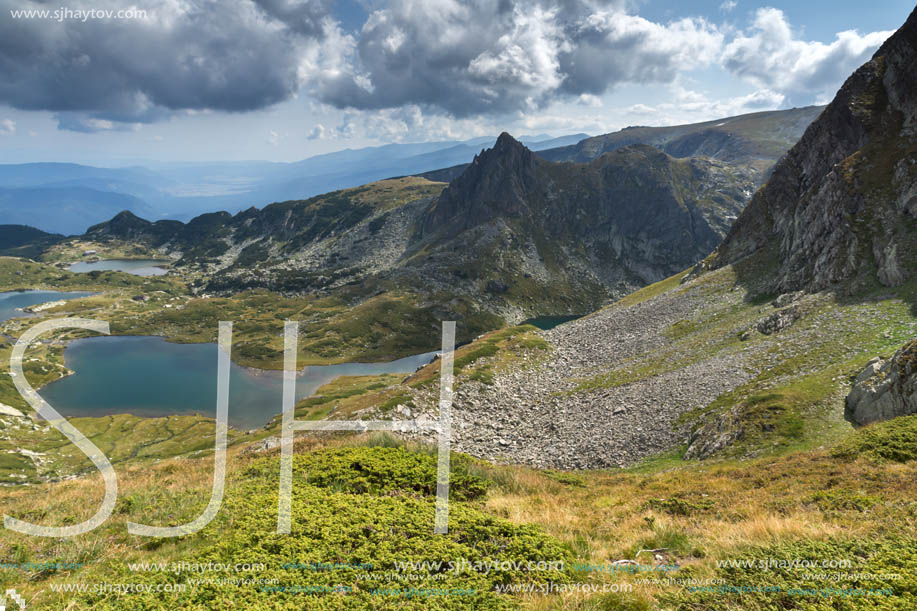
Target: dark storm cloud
199,54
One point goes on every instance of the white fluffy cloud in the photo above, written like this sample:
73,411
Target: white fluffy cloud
770,56
7,127
409,123
689,106
479,56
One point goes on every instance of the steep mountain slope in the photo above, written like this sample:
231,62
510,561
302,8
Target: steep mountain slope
516,226
518,235
842,206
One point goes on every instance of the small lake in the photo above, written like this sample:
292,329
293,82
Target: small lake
11,301
137,267
148,376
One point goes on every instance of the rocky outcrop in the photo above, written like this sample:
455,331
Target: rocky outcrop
778,321
715,435
497,183
840,206
885,388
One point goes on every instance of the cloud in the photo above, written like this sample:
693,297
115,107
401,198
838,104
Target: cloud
410,123
229,55
459,60
317,133
83,123
478,56
273,138
771,57
614,47
688,106
7,127
587,99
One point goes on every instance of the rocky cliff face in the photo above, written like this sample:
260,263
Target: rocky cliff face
885,388
841,207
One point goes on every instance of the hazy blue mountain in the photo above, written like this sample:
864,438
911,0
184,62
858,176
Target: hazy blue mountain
66,210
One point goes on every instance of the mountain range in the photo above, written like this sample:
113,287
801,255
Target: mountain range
519,235
84,195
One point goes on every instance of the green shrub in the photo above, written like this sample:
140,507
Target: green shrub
678,507
379,471
893,440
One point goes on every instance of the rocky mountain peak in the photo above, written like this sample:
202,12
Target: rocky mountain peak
496,183
840,207
123,223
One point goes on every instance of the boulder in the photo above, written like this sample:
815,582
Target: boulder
6,410
778,321
885,389
265,445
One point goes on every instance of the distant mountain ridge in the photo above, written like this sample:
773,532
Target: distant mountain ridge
183,191
24,241
60,209
758,139
754,141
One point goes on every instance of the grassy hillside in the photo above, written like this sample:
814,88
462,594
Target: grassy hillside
361,505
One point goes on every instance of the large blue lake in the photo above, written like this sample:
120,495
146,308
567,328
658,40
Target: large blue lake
148,376
138,267
12,302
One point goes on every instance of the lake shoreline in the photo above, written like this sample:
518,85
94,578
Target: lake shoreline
161,379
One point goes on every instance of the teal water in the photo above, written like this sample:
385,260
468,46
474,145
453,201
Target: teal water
147,376
137,267
549,322
9,302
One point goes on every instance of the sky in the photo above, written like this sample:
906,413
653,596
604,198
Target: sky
281,80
